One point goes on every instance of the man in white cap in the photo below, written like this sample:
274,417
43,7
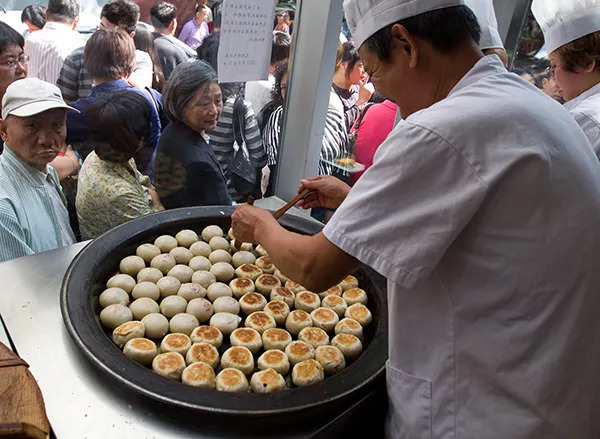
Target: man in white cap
572,32
482,210
33,212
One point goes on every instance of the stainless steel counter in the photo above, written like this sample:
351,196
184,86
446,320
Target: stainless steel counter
80,401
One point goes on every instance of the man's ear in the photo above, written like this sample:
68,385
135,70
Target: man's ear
173,25
75,23
406,44
3,130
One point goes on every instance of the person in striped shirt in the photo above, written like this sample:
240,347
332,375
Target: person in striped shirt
48,48
33,212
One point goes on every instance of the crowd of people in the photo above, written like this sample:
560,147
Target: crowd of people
148,125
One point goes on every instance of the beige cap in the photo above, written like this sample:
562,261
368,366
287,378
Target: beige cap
366,17
31,96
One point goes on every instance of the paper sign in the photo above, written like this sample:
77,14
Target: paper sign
246,40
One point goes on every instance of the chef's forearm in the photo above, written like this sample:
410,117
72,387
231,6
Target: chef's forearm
312,261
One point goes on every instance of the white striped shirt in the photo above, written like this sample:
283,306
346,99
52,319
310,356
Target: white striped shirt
48,48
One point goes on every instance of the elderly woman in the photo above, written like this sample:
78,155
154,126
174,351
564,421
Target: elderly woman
111,191
187,172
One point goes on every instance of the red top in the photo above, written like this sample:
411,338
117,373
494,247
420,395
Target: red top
373,130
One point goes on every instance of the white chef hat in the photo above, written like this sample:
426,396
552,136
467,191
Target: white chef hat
563,21
366,17
484,11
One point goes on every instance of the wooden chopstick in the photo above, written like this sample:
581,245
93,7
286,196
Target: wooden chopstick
291,204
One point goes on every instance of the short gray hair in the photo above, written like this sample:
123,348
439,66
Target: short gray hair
184,82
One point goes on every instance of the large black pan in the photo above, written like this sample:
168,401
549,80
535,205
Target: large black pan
87,275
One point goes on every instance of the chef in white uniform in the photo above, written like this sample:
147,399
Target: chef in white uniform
482,210
572,32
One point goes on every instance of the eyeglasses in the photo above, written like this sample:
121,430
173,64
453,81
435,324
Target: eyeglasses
553,69
22,60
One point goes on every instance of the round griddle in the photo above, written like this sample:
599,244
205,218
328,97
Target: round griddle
86,277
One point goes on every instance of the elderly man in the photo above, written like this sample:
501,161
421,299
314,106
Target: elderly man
482,210
33,213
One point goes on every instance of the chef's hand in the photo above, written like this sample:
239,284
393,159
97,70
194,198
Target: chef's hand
247,222
327,192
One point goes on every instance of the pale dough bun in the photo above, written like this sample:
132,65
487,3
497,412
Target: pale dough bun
210,232
331,359
314,336
219,243
165,243
242,257
307,301
284,294
203,278
226,304
232,380
199,375
156,325
168,286
127,331
267,381
163,262
277,309
200,308
297,320
131,265
172,305
204,352
182,273
261,321
223,271
276,338
349,326
147,252
238,357
260,251
176,342
282,277
265,264
219,256
336,290
200,263
252,302
246,247
115,315
183,323
123,281
295,287
249,271
350,345
190,291
200,248
112,296
325,318
298,351
218,289
225,322
246,337
274,359
207,334
355,295
146,289
169,364
230,234
307,372
241,286
186,238
149,275
335,303
266,282
349,282
181,254
360,313
141,350
143,306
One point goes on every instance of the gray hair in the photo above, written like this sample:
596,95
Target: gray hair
184,82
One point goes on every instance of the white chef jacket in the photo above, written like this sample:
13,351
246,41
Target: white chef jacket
483,211
585,109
